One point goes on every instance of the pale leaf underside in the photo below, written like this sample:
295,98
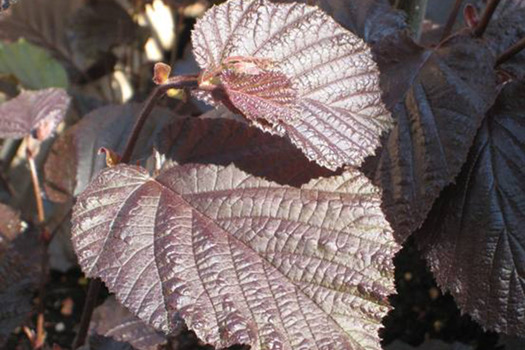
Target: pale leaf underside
341,115
34,113
240,259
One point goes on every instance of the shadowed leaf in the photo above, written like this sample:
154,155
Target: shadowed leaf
35,113
339,110
19,271
74,159
240,259
438,100
474,238
114,321
224,141
31,65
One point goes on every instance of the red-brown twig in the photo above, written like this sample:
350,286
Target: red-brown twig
486,17
451,19
87,312
511,52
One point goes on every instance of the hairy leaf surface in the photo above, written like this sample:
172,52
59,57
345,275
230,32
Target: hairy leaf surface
19,271
35,113
74,159
224,141
114,321
444,96
474,238
31,65
340,114
240,259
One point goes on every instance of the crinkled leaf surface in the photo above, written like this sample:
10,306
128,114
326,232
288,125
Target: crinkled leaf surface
32,66
340,113
474,238
240,259
113,320
74,159
19,271
224,141
35,113
372,20
448,91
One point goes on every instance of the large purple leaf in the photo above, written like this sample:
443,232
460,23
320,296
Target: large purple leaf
474,238
19,271
340,115
223,141
74,159
35,113
439,98
241,259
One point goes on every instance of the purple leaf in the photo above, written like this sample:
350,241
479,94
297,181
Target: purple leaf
35,113
439,98
340,115
74,159
474,238
19,271
224,141
114,321
240,259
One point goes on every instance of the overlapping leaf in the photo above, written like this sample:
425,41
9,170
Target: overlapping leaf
74,159
19,271
240,259
35,113
474,238
31,65
340,113
439,98
224,141
114,321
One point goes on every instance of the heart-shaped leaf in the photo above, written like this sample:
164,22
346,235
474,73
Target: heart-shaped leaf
338,115
474,238
35,113
223,141
19,271
241,259
439,98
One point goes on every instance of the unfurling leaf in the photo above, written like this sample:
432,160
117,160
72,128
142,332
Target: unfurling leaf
474,238
35,113
337,115
241,259
19,271
161,73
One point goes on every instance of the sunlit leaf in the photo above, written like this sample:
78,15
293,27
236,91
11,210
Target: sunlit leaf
339,115
474,238
241,259
35,113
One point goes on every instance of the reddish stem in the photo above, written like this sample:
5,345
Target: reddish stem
451,19
511,52
486,17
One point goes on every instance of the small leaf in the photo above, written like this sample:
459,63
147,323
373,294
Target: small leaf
339,111
19,271
74,161
114,321
35,113
241,259
161,73
439,98
474,236
31,65
224,141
